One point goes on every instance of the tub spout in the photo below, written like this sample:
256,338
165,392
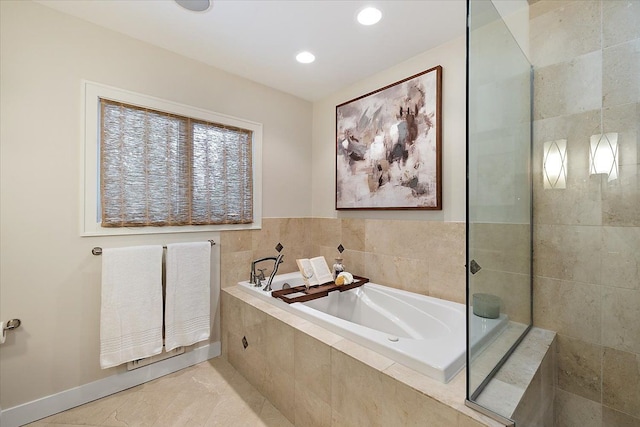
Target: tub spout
278,261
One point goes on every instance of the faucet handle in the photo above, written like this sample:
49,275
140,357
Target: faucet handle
261,276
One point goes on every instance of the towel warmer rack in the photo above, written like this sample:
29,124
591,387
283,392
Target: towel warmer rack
98,250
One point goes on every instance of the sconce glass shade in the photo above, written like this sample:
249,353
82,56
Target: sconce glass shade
554,164
603,155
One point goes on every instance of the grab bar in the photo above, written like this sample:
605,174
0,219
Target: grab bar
98,250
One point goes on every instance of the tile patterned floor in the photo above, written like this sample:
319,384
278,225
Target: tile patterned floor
211,393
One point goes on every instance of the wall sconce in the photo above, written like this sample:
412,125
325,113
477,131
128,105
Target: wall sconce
554,164
603,155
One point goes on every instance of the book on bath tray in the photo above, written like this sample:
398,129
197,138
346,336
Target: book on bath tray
321,272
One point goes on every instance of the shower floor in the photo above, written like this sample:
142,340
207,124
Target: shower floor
211,393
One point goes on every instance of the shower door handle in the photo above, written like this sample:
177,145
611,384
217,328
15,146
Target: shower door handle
474,267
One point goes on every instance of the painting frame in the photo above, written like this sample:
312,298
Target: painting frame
388,146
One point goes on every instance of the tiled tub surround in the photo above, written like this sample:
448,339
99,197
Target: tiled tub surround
586,56
388,252
317,378
524,387
424,257
424,333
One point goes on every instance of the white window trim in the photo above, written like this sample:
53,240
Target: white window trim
91,92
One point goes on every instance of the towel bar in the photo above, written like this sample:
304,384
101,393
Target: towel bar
11,324
98,250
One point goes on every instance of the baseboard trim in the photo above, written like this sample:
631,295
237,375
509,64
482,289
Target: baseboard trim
49,405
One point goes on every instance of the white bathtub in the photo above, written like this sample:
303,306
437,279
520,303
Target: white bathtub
424,333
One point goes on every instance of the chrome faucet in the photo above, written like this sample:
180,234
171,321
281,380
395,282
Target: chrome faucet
256,279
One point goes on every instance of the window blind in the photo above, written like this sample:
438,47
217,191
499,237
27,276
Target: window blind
160,169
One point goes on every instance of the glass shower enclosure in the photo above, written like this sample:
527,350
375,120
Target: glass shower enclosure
499,195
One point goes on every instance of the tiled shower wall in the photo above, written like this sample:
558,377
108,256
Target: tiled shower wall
586,56
425,257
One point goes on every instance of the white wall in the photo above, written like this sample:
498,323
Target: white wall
452,58
48,277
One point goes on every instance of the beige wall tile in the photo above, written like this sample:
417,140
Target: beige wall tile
236,241
354,262
565,32
279,389
529,411
353,234
234,267
625,121
621,319
620,70
326,232
576,411
570,308
621,381
568,252
278,344
621,257
501,247
541,7
295,232
419,409
621,197
569,87
398,238
310,409
357,392
579,367
402,273
264,241
620,21
313,366
613,418
447,280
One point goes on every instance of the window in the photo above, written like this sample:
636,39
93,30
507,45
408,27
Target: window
165,167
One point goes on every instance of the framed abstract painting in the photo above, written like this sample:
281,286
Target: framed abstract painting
389,146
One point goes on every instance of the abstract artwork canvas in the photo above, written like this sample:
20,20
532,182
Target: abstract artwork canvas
388,146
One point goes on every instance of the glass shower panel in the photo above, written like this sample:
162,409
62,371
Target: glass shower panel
498,192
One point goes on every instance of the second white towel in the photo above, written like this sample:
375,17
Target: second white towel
187,316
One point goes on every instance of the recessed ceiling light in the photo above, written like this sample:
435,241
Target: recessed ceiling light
195,5
305,57
369,16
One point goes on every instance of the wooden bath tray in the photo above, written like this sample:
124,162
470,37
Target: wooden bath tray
301,294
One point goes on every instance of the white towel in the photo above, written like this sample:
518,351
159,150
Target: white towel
131,309
187,315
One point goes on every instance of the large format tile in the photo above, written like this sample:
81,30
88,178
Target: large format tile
211,393
575,411
621,319
613,418
579,367
621,197
621,257
620,73
313,366
569,87
565,32
568,252
572,309
620,21
621,381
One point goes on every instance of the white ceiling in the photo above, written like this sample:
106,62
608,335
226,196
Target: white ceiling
258,39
